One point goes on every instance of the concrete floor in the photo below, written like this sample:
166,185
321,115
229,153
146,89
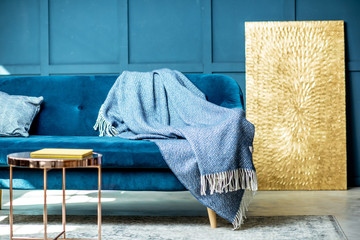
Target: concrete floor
345,205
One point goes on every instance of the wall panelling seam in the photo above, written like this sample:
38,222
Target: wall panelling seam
44,37
206,11
123,18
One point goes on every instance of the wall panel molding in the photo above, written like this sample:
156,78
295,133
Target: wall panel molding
290,10
228,67
83,32
123,19
182,67
228,24
19,35
20,69
353,66
162,31
84,69
284,10
207,35
44,37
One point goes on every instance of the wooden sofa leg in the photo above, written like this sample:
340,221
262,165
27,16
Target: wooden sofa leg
212,218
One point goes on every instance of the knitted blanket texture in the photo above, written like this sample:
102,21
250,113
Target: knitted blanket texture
208,147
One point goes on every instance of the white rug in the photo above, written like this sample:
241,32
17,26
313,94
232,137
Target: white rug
166,228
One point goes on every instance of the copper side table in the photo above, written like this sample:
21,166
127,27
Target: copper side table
24,160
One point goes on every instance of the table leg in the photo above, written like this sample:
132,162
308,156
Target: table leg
45,206
63,204
0,198
99,202
11,203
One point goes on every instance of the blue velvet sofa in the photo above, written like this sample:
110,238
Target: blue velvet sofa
66,119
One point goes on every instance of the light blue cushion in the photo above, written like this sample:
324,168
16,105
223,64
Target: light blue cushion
17,114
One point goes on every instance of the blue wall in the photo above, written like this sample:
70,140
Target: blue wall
46,37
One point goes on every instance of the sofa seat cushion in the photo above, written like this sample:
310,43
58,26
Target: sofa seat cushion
129,179
117,152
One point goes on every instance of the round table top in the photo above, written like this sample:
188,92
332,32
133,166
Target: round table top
23,159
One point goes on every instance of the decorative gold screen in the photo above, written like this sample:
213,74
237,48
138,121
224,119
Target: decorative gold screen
295,97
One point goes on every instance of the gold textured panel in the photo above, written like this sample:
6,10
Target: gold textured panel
295,96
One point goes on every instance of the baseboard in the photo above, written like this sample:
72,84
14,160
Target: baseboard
357,181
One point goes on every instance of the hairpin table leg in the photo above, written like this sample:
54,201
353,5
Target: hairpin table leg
11,217
99,202
45,205
63,204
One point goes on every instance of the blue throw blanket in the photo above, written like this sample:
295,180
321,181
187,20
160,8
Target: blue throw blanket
208,147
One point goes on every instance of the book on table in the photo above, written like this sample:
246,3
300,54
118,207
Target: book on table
62,153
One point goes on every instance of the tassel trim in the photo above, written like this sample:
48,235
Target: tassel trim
105,128
240,215
229,181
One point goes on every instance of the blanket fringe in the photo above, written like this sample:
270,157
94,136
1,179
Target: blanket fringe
105,128
229,181
240,215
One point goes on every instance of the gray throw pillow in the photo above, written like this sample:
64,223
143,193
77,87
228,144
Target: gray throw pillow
17,114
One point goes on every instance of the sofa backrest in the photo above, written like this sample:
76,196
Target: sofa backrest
71,103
